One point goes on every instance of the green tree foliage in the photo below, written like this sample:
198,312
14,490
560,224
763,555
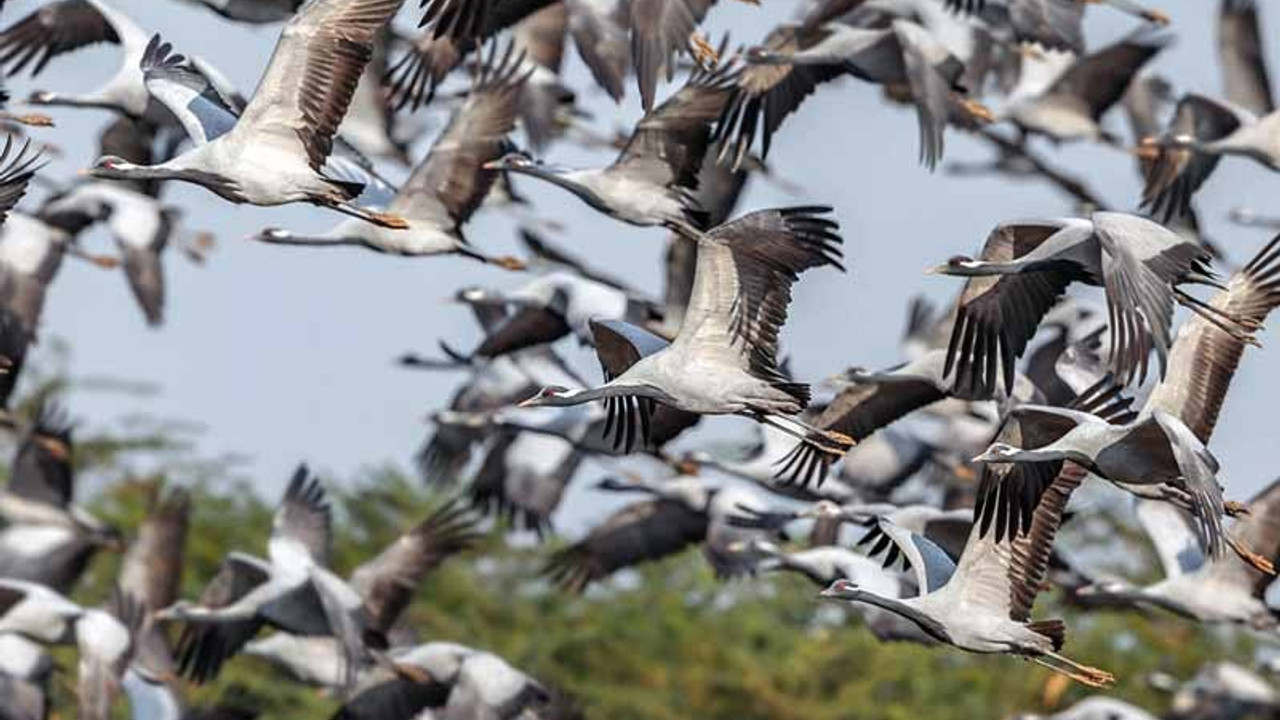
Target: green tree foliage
666,643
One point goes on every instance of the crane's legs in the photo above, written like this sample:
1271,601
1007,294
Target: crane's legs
1253,559
1083,674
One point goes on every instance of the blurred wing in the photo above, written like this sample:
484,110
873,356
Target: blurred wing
1243,58
599,31
1099,80
1176,173
389,581
17,166
152,568
204,647
932,566
451,183
55,29
660,29
303,522
637,534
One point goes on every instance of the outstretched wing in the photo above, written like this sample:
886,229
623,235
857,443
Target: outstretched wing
1242,57
620,345
203,110
303,523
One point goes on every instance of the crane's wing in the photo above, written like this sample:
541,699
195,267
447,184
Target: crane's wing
17,166
42,470
1259,532
1176,173
54,29
670,141
764,95
742,285
932,566
203,647
1009,493
305,91
1009,573
1204,358
660,29
451,183
1098,81
204,111
639,533
389,581
620,345
998,315
1242,57
1198,469
303,522
152,567
599,31
1141,261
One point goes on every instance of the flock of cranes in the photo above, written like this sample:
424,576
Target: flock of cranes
964,461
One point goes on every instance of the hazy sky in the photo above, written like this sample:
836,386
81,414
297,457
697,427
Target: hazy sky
286,353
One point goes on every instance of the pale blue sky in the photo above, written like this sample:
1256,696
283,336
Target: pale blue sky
284,354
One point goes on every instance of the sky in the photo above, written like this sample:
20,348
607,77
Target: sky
284,354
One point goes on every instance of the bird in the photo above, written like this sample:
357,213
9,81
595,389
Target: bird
551,306
464,683
276,152
103,636
982,603
258,12
387,583
283,591
48,538
447,187
902,55
1204,129
681,512
651,181
724,360
1183,406
1051,24
141,226
1069,107
1025,266
1227,590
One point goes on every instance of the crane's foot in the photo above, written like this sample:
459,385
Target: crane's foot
1148,148
387,220
413,673
106,262
977,111
1093,677
32,120
840,439
1156,16
1251,558
702,50
1234,508
507,262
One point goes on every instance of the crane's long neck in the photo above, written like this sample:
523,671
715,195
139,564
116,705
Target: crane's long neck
898,607
317,241
92,101
568,180
979,268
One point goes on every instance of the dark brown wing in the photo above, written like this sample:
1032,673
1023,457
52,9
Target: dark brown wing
42,469
620,345
857,411
204,647
17,167
1204,358
152,568
389,581
525,328
1176,173
1009,493
659,30
601,39
764,95
1243,57
669,142
640,533
451,183
998,315
54,29
1099,80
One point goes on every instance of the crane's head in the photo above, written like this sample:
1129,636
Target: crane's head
515,160
759,55
550,396
999,453
271,235
955,265
110,167
842,589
